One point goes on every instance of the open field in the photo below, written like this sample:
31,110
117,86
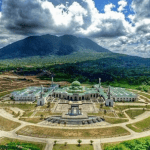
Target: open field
115,120
141,144
133,113
121,108
31,120
5,141
73,147
45,114
140,126
8,125
72,133
21,106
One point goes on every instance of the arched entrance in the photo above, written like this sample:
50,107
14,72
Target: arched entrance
75,98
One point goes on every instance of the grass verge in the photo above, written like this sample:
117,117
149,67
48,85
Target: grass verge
72,133
8,125
140,126
73,147
133,113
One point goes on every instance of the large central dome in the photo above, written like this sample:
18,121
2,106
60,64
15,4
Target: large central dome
76,83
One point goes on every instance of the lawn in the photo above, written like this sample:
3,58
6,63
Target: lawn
8,125
27,113
121,108
31,120
115,120
5,141
144,94
121,114
73,147
21,106
102,114
45,114
36,131
133,113
140,126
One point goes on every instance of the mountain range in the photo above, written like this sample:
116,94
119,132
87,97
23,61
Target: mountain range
49,45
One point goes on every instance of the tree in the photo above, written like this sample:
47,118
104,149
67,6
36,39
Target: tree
55,142
41,116
79,142
101,105
65,144
48,104
105,111
91,142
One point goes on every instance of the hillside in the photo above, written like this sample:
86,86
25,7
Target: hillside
49,45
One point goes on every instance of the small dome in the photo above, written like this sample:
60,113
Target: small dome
76,83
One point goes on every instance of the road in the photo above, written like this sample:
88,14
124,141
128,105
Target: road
96,144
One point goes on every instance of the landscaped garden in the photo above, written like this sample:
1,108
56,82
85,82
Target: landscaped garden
133,113
140,126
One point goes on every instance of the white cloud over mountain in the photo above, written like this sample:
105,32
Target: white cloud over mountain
111,29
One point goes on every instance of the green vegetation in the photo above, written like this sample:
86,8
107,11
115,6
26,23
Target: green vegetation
21,106
72,147
137,144
140,126
36,131
115,120
124,71
133,113
31,120
121,108
19,144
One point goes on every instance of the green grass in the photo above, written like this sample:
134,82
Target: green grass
47,113
121,115
133,113
36,131
21,106
31,120
136,144
140,126
4,93
4,141
73,147
146,95
101,114
27,113
120,108
115,120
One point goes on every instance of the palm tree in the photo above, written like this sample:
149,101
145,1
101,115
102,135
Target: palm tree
79,141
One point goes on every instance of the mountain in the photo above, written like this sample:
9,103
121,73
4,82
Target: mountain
49,45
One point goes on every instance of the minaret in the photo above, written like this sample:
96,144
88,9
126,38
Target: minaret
41,91
109,92
99,82
52,81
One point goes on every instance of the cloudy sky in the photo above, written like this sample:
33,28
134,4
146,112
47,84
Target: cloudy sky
122,26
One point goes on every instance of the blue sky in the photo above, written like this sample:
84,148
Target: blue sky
121,26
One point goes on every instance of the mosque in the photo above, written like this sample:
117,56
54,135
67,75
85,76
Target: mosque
74,92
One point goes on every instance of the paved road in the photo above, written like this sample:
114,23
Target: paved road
96,144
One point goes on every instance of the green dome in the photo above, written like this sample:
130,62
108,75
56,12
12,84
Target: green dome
76,83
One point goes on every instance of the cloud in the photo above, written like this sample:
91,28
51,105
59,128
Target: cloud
122,4
111,29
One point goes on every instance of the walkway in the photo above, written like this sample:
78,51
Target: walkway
96,143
